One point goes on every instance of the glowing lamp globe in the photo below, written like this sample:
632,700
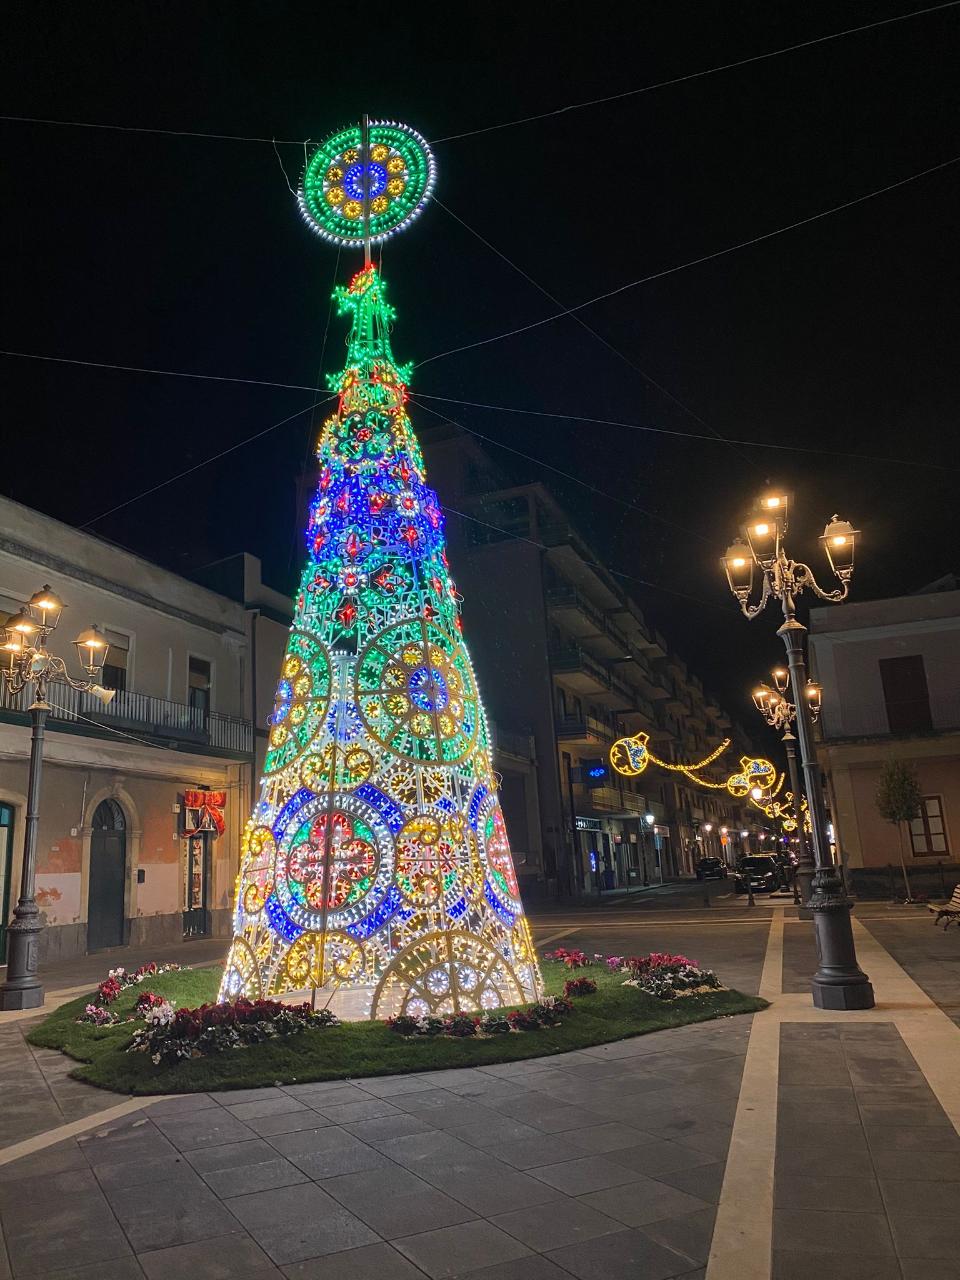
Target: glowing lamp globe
92,649
839,541
47,606
738,565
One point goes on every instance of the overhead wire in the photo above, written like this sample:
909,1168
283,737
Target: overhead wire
134,128
696,75
690,435
692,262
206,462
540,462
508,124
593,332
593,564
70,714
164,373
575,417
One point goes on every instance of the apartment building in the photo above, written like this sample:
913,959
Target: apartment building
890,671
564,650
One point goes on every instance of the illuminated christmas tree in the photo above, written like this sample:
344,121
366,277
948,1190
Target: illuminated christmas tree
376,861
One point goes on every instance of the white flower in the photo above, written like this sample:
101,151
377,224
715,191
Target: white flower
160,1015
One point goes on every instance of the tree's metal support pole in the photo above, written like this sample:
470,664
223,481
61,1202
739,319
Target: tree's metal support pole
365,178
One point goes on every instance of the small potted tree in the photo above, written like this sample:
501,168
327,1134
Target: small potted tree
898,801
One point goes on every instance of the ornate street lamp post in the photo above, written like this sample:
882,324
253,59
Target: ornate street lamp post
839,982
781,714
29,663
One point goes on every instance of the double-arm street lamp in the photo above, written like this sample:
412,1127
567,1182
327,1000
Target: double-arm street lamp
839,982
781,714
27,662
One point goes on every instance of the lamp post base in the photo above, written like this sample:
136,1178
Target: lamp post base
839,982
22,989
28,997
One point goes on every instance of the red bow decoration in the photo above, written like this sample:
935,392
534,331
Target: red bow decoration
209,806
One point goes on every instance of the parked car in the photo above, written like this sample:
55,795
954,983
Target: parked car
758,872
711,869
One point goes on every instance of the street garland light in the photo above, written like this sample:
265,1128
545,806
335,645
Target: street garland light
781,714
839,982
27,662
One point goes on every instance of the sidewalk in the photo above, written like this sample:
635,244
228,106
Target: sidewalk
792,1144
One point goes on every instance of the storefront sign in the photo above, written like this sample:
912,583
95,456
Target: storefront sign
587,824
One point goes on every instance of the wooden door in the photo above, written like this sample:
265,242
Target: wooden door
108,875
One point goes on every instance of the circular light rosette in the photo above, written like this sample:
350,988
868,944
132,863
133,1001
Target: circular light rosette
335,861
445,973
417,695
428,859
396,179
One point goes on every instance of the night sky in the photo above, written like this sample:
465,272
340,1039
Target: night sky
188,254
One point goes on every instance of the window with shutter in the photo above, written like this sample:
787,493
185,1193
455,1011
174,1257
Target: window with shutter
905,694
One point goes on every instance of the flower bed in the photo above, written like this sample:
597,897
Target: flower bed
547,1012
173,1034
117,979
356,1049
658,974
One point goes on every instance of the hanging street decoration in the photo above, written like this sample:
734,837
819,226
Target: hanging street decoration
753,773
630,757
376,861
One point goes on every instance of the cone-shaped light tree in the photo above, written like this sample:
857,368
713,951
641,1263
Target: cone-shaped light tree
376,860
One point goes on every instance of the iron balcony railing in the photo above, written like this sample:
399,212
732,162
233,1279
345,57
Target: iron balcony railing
141,715
584,727
511,743
608,800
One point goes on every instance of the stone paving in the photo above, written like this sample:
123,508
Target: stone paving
606,1162
626,1160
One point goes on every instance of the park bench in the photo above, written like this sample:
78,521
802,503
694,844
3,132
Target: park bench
949,912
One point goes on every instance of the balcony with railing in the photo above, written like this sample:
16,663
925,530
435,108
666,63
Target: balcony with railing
511,743
610,801
587,674
137,715
583,730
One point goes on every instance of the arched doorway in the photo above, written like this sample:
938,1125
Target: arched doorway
108,874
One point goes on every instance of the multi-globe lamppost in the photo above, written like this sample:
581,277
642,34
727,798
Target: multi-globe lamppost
780,713
839,982
29,662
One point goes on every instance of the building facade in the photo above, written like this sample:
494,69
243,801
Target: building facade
890,671
142,801
565,652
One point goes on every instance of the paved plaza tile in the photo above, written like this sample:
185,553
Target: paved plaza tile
605,1163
